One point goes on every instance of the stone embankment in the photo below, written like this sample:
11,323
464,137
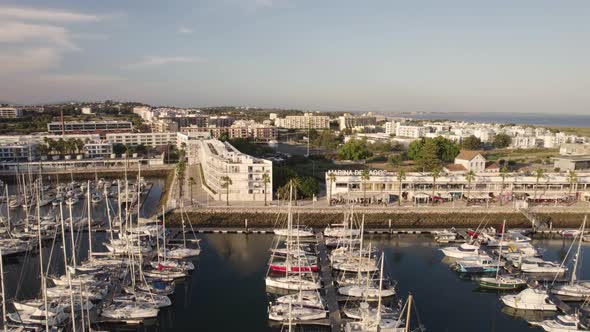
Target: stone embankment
404,217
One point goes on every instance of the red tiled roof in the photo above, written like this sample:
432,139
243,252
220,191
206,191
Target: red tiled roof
467,154
455,167
492,165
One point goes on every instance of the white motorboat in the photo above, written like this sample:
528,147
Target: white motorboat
529,299
310,299
445,236
476,264
462,251
561,323
538,265
292,282
286,312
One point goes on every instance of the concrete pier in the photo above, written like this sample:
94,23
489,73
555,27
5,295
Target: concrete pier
328,282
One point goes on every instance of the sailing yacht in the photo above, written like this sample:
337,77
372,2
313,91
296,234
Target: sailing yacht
155,300
287,312
574,290
129,312
311,299
538,265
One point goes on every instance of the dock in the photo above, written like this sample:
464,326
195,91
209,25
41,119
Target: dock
328,282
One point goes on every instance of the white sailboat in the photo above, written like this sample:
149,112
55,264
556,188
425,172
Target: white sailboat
574,290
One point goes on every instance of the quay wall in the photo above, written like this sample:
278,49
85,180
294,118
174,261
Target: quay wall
81,174
373,219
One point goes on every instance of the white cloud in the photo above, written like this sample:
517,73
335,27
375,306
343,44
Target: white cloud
184,30
48,15
155,61
29,60
17,32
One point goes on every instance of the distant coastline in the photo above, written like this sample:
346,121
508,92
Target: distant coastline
549,120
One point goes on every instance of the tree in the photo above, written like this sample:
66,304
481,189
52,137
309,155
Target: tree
332,179
309,186
79,144
471,143
503,175
224,136
539,174
180,168
395,160
572,178
226,182
265,181
502,140
470,177
447,150
365,176
192,182
354,150
401,176
428,156
436,173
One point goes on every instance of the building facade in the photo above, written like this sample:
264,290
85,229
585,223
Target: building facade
10,112
306,121
89,126
147,139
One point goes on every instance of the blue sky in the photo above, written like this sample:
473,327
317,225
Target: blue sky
453,55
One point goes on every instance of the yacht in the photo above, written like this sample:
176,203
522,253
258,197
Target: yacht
561,323
529,299
129,312
476,264
311,299
294,232
462,251
289,312
538,265
155,300
292,282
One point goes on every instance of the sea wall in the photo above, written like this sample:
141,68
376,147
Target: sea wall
376,219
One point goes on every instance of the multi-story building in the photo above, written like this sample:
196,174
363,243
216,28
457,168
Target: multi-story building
219,160
385,186
10,112
348,121
412,131
98,149
570,149
240,129
147,139
164,126
219,121
89,126
306,121
18,151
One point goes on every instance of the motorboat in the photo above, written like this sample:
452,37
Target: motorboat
476,264
462,251
54,315
561,323
529,299
538,265
445,236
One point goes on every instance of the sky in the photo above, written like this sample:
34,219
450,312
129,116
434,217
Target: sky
401,56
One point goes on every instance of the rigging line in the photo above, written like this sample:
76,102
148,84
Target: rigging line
51,252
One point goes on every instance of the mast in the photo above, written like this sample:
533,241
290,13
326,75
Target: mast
26,204
7,209
380,287
358,276
73,243
43,281
106,199
63,240
410,298
578,252
164,231
500,252
119,207
88,199
3,297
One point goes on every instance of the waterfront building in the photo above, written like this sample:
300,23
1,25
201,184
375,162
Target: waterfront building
89,126
10,112
18,151
572,149
98,149
219,160
147,139
306,121
385,186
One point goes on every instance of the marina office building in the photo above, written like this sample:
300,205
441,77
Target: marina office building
416,186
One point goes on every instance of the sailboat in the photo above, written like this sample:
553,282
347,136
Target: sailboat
574,290
502,282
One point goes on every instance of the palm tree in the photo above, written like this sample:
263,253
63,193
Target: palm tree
401,176
503,174
332,179
470,177
192,182
266,181
539,173
572,178
226,182
180,168
436,172
365,176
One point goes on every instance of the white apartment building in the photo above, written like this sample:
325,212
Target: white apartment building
147,139
308,120
526,142
10,112
220,159
410,131
18,151
390,127
98,149
354,121
87,110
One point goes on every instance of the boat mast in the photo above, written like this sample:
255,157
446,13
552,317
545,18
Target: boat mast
43,281
358,275
119,207
106,199
410,298
26,204
73,243
578,252
88,199
163,232
380,287
63,240
7,208
500,252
